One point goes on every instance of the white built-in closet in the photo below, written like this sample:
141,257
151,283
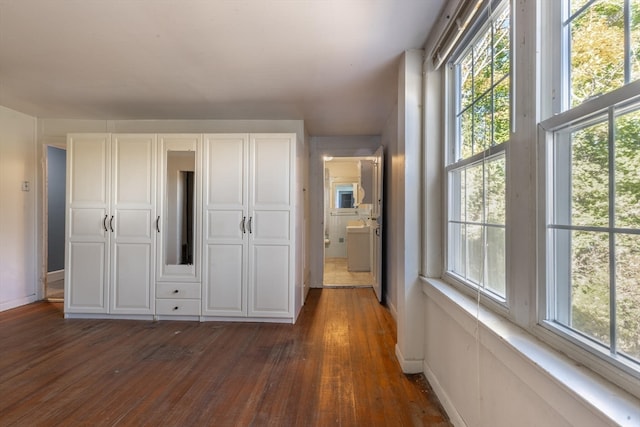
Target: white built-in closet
181,226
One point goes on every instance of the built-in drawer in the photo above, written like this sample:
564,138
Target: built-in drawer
178,290
178,307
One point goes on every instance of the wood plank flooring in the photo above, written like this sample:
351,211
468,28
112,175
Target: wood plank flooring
335,367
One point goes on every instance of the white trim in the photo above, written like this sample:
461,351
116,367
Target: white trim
18,302
105,316
408,366
242,319
625,94
454,416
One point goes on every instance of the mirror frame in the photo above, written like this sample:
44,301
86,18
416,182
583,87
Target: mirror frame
178,272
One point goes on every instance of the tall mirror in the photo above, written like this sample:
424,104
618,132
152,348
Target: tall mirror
179,229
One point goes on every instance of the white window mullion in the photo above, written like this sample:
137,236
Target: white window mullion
627,41
612,236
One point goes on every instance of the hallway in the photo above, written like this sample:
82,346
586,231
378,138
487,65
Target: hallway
335,366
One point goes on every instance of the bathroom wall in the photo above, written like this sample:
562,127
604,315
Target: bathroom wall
336,220
337,229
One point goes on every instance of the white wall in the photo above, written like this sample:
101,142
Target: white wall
405,219
303,229
336,220
487,371
18,163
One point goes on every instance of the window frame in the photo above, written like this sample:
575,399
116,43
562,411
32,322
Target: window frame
580,348
560,117
483,22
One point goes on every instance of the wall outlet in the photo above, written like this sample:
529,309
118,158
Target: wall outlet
341,240
26,186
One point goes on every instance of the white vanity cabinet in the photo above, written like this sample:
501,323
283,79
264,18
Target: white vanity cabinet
110,248
248,225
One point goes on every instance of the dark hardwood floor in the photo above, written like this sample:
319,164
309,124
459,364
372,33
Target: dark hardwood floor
335,366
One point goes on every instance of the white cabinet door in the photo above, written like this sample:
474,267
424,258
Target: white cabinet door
86,270
271,171
132,223
225,225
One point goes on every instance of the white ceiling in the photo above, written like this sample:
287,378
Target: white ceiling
332,63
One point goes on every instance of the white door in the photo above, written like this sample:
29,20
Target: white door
87,220
225,225
270,225
376,218
132,224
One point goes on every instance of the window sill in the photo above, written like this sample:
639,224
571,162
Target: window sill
610,403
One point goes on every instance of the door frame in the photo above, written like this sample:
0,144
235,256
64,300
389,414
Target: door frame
45,214
334,147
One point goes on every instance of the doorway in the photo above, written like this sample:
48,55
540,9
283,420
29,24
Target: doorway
351,206
55,171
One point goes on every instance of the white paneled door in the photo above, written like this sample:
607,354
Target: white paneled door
131,224
271,169
110,240
248,205
86,270
225,225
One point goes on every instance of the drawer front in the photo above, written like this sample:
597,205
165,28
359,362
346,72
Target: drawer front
178,307
178,290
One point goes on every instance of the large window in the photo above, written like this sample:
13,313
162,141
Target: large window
592,227
476,161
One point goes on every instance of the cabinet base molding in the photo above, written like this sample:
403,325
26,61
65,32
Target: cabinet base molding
247,319
190,318
108,316
161,317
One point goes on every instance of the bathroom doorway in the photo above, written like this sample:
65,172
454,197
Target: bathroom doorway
352,231
55,170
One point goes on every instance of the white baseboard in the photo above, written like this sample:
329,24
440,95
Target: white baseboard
17,303
54,276
408,366
444,399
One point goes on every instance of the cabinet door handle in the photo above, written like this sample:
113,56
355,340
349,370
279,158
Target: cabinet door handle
244,230
104,223
250,221
158,224
175,308
111,223
176,291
